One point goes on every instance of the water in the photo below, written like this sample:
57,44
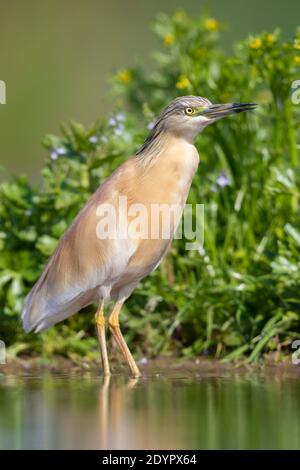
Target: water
158,412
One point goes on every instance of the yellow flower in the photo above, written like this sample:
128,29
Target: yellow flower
183,83
297,60
256,43
125,76
271,38
297,44
211,24
169,39
180,15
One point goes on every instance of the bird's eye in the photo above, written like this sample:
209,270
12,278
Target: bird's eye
189,111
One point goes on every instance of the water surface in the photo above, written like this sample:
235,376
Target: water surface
159,412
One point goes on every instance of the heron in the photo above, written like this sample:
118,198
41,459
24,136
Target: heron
86,268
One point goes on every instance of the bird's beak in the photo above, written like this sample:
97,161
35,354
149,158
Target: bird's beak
217,111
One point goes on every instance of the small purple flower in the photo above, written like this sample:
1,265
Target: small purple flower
112,121
223,180
57,152
150,126
61,150
93,139
119,129
120,117
54,155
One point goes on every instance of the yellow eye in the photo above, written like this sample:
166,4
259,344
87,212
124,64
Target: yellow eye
189,111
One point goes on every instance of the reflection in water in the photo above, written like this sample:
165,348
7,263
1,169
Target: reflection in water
114,428
89,412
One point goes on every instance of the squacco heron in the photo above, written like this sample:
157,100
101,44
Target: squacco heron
87,266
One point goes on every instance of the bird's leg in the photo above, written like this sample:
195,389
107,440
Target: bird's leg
116,332
100,322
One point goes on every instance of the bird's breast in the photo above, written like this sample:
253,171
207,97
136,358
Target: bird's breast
163,191
169,179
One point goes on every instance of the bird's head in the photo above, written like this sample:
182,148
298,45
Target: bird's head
189,115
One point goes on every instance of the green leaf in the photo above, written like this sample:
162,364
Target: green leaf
14,193
293,232
46,244
59,228
66,199
15,294
28,235
5,276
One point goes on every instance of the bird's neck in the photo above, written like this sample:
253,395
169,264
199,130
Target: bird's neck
158,145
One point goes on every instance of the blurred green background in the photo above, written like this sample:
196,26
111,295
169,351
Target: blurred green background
56,58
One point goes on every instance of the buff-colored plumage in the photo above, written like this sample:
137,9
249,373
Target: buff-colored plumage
84,268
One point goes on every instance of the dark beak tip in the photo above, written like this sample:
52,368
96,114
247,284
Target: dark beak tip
222,110
240,107
244,105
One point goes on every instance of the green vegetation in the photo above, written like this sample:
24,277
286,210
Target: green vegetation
240,295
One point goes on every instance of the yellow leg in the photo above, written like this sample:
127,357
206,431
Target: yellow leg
116,332
100,322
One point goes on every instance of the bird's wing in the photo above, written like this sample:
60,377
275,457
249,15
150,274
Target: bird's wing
81,262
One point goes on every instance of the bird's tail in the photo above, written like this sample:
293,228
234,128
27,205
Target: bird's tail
42,311
51,301
35,310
